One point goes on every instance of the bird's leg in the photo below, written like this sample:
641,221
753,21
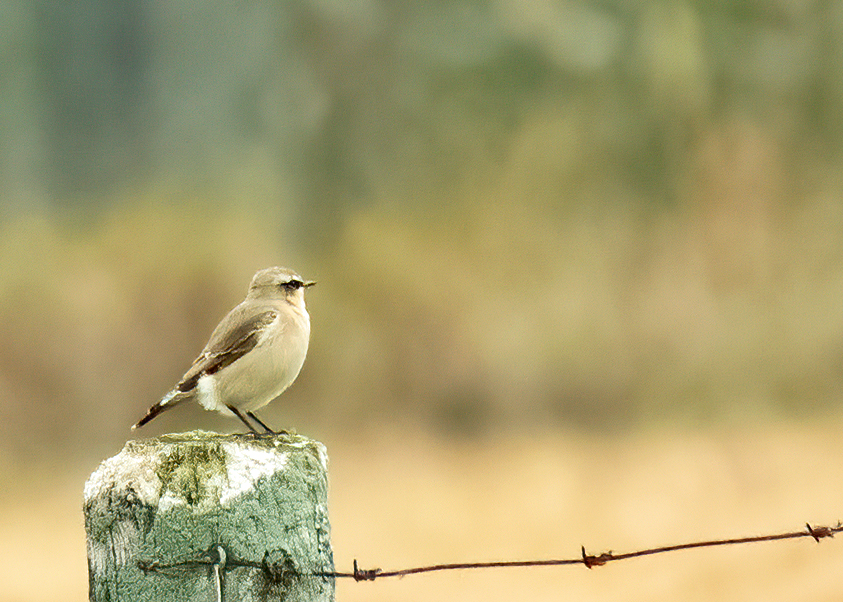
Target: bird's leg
269,431
242,418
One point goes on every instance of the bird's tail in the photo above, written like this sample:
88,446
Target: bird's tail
171,399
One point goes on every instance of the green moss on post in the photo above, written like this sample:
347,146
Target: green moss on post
203,516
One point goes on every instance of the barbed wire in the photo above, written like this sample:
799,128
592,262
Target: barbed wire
815,532
217,558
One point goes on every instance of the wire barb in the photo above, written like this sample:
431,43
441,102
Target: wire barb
364,574
592,561
819,532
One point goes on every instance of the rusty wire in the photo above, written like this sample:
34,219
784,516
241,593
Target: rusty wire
588,560
817,533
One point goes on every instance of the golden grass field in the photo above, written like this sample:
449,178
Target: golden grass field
406,498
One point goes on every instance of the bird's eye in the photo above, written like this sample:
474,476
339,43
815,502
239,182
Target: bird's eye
292,285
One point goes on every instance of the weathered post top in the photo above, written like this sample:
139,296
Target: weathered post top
204,516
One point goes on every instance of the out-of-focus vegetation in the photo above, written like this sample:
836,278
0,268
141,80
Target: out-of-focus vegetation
594,213
524,216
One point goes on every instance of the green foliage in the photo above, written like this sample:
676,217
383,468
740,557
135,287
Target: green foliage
603,213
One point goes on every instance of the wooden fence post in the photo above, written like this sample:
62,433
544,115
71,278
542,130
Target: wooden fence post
203,516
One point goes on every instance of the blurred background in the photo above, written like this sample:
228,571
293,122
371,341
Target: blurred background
580,273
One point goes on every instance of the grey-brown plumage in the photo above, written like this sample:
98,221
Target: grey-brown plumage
253,355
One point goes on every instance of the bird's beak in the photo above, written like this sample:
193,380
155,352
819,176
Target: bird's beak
308,283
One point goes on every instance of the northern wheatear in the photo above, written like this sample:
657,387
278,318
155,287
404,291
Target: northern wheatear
254,354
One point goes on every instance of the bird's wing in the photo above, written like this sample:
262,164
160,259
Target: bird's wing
234,337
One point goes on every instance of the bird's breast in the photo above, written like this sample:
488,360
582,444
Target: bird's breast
271,366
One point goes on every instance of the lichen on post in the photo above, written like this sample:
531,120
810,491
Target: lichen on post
204,516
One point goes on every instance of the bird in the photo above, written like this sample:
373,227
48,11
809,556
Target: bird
253,355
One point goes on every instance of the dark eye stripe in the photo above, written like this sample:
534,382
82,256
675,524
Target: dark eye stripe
292,285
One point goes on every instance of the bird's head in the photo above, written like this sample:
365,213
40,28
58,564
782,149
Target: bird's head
279,283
